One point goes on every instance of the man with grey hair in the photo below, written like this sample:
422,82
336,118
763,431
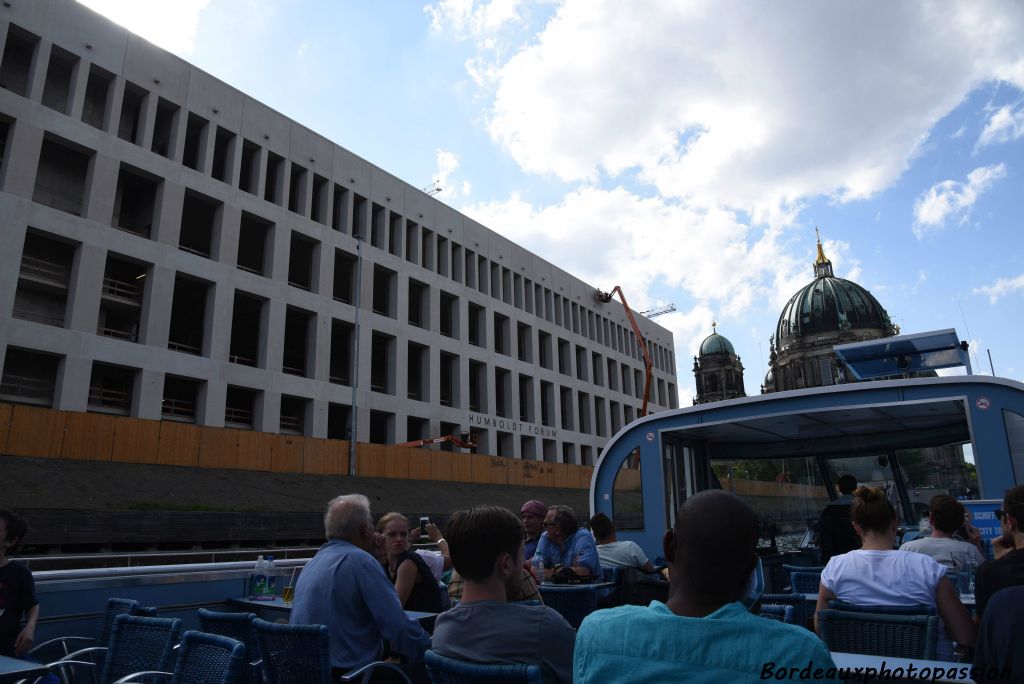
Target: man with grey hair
565,545
345,588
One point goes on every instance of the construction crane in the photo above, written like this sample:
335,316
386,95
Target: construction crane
462,441
605,298
658,310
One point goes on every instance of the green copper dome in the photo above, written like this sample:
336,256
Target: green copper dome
716,344
828,304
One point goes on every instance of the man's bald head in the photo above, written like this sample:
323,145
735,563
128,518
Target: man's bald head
715,539
347,516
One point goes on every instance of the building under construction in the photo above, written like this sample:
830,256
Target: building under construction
175,250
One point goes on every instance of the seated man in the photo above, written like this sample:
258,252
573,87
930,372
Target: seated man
486,545
1007,570
946,516
17,590
345,588
614,553
532,514
703,632
565,544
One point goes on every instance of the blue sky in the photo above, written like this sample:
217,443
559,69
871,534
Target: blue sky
683,150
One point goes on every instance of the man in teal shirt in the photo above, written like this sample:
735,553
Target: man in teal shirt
703,633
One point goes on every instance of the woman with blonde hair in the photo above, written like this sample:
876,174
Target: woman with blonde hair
415,583
878,575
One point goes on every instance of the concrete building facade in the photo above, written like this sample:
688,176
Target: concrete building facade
173,249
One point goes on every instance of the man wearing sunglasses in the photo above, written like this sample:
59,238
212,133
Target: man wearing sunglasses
1007,570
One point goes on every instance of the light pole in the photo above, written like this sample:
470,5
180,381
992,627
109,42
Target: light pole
352,422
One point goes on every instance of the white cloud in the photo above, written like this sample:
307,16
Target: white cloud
450,187
1005,125
1001,288
173,25
753,106
952,198
468,17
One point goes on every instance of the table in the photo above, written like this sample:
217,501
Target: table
278,608
15,669
968,601
947,672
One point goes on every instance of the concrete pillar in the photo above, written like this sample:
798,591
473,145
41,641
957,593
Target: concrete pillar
170,198
225,248
272,337
217,323
77,88
37,72
83,304
147,121
23,146
72,391
115,95
210,412
158,295
101,189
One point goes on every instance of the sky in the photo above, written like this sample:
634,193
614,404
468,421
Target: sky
685,150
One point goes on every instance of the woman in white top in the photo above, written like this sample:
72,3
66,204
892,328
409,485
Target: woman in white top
878,575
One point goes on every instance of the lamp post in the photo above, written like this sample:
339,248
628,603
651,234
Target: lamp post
352,421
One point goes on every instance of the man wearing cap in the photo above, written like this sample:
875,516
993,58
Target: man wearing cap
532,514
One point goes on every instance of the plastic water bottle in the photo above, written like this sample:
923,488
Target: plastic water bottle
538,567
270,571
259,579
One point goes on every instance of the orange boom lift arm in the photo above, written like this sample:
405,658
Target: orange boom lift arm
605,298
463,441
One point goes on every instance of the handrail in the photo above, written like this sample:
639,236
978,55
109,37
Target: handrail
139,570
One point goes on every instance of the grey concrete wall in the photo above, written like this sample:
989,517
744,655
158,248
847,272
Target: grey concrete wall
137,64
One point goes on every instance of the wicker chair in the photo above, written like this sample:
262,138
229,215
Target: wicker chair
802,609
803,579
573,602
775,611
63,647
443,670
919,609
136,643
236,626
880,634
293,654
206,658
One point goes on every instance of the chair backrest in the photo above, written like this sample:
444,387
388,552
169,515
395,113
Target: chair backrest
573,602
210,659
115,607
443,670
293,654
236,626
138,644
805,582
775,611
802,568
919,609
895,636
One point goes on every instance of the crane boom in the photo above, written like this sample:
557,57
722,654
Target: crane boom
463,441
605,298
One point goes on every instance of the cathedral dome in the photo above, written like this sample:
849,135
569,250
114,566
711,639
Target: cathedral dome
829,304
716,344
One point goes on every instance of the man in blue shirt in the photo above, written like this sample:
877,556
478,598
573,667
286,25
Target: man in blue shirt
565,544
345,588
703,633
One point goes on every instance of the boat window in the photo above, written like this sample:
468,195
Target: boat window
627,494
786,493
1014,423
876,470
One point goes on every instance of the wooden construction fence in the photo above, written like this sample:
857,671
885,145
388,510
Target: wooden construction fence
48,433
